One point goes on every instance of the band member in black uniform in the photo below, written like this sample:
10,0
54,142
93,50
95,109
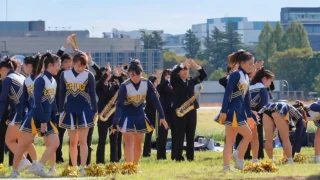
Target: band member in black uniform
3,130
166,99
150,111
106,88
183,90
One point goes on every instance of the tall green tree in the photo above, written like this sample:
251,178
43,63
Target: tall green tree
232,40
192,44
266,48
277,36
152,41
296,36
158,41
291,65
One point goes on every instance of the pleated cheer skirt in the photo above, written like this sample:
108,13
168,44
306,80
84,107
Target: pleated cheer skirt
30,125
235,118
77,120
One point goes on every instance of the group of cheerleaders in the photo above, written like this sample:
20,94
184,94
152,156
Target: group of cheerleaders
246,105
33,110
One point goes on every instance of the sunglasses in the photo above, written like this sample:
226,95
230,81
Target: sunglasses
185,68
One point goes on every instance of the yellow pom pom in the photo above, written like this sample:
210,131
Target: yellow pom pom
94,170
70,171
267,166
129,168
299,158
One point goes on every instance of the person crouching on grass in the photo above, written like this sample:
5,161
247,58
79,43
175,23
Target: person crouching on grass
129,117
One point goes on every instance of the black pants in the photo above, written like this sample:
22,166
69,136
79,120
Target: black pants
3,130
148,136
115,143
163,137
299,134
247,155
184,126
59,155
89,142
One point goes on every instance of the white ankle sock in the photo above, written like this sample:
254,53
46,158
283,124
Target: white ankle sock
34,162
290,160
255,160
317,158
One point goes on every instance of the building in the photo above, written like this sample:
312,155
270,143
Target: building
134,34
249,30
30,37
309,17
115,51
172,42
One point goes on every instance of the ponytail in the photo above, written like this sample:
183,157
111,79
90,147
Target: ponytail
261,74
8,63
35,62
236,58
45,60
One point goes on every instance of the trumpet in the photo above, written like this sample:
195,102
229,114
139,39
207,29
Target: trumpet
125,67
74,43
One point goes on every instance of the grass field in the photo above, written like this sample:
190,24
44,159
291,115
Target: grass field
207,165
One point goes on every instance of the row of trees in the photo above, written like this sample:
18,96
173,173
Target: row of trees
287,53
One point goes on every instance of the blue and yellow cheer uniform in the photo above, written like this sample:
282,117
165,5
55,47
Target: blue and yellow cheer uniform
313,113
44,107
28,96
12,87
236,100
129,115
77,102
288,112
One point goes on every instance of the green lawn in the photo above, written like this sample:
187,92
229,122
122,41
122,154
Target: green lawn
207,165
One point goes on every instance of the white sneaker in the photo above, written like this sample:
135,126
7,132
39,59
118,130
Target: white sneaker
52,172
235,156
39,171
226,169
14,174
255,160
316,160
82,171
239,164
24,164
32,170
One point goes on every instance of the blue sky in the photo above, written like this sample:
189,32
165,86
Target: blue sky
172,16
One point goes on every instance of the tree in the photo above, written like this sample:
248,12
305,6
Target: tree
171,58
232,39
296,37
277,36
152,41
316,84
291,65
158,41
220,44
266,48
192,45
217,74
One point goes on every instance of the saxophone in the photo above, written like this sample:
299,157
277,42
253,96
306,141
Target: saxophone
188,105
109,109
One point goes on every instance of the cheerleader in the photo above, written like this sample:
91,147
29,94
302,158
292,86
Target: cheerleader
236,112
312,112
12,87
107,86
40,120
166,99
260,97
129,117
78,106
282,116
150,112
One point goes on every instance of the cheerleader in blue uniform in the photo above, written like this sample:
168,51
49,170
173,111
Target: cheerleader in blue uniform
40,120
129,117
313,114
78,106
236,111
259,98
12,87
282,116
